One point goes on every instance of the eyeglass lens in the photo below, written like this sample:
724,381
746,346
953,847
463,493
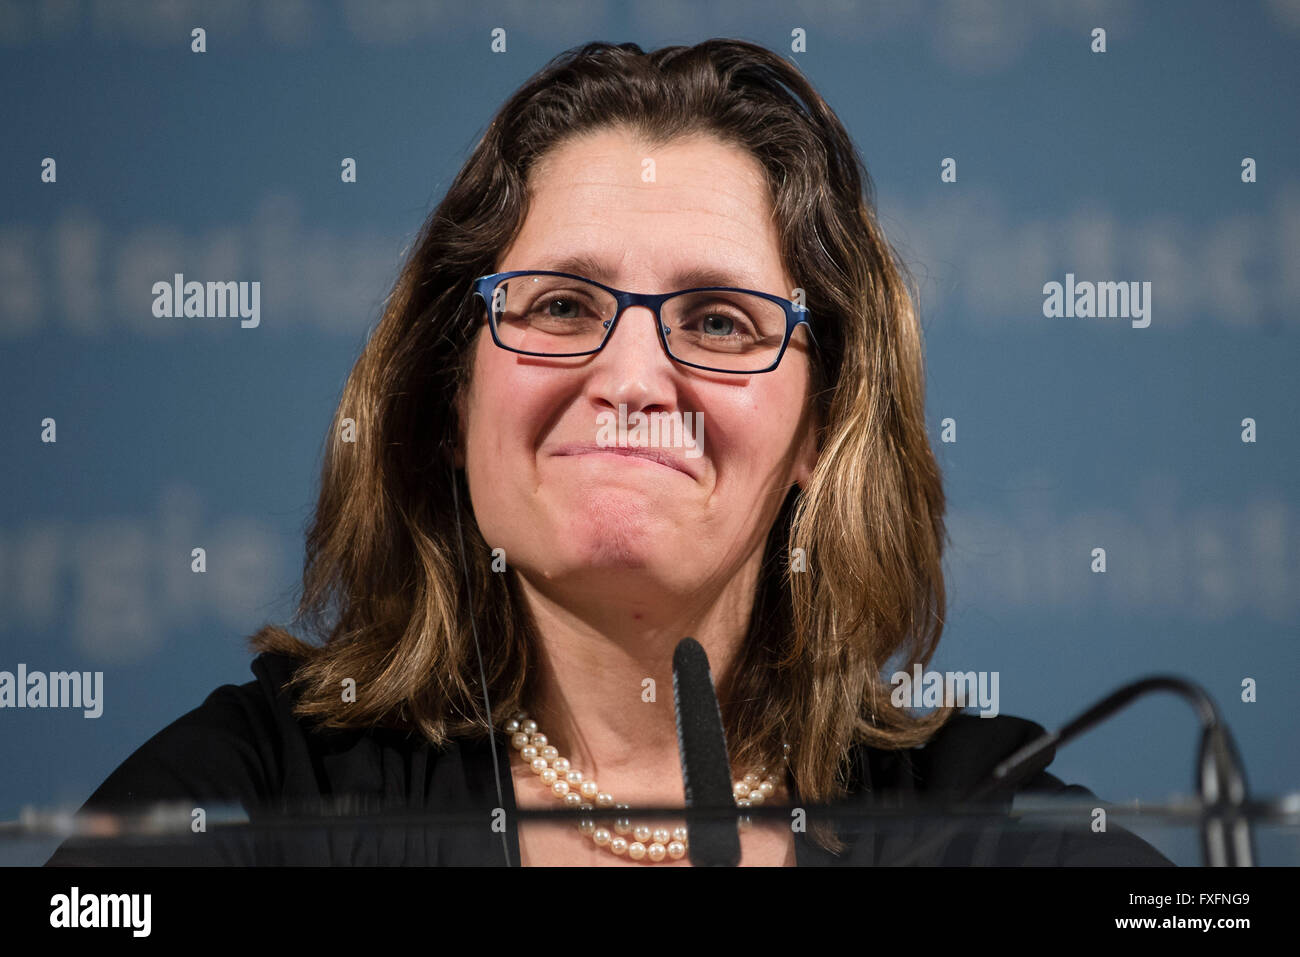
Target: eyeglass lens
556,316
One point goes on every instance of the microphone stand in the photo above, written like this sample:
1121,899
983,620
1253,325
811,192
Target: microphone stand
1226,837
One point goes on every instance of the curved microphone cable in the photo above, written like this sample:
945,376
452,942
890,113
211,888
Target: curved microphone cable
478,651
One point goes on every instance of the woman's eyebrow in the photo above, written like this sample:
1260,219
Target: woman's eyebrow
593,268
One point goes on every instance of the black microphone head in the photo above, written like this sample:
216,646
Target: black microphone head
702,744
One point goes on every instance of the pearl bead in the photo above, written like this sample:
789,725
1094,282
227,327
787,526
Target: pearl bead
571,786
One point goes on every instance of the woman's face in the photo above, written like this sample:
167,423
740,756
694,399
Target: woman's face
578,525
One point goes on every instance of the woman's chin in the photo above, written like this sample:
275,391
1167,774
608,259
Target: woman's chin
615,551
610,559
613,535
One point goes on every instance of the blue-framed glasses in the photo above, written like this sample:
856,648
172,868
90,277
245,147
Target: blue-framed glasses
716,328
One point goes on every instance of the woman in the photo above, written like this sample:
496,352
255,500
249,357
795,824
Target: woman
489,552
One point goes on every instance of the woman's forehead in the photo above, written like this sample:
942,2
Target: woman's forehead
608,207
698,167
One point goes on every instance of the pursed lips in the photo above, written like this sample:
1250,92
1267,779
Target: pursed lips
653,455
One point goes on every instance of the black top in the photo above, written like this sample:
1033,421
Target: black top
244,747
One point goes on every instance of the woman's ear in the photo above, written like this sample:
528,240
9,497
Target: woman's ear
806,457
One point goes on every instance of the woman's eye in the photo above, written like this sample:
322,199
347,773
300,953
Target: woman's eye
563,308
557,309
720,325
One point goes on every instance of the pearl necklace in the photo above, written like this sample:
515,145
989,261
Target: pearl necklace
569,785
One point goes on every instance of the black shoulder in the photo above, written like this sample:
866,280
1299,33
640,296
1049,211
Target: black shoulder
965,751
225,749
229,751
274,671
963,754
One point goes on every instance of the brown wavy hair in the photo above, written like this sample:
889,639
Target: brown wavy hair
385,591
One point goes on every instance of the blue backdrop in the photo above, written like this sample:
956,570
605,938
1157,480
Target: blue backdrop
1070,433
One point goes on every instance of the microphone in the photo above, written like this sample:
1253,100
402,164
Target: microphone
1226,838
706,768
